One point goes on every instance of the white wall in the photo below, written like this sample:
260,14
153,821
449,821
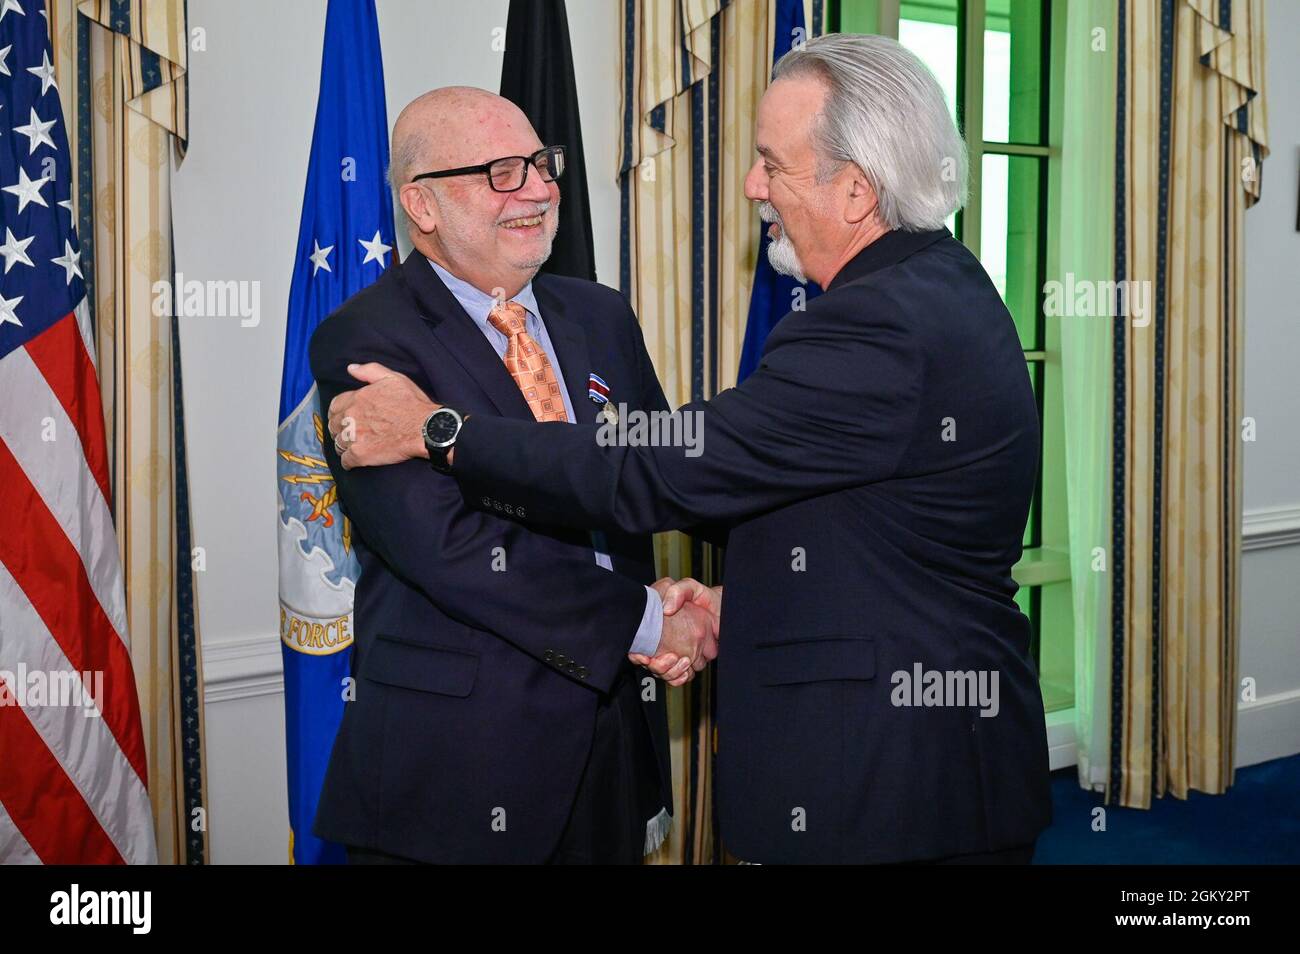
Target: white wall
237,200
1270,641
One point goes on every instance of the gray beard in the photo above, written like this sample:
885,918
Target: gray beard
784,260
541,260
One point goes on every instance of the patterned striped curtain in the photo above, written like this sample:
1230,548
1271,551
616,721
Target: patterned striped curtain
120,66
1190,140
692,72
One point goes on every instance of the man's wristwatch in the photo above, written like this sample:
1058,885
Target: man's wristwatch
440,431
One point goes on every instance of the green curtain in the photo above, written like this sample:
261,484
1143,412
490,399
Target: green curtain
1087,253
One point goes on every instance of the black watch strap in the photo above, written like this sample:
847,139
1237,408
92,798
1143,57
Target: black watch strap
438,459
439,452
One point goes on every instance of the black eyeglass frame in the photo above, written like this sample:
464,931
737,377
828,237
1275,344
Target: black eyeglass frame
486,169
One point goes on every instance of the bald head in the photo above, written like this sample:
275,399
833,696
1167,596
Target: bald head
494,240
450,127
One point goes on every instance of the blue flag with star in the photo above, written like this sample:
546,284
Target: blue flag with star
773,295
345,241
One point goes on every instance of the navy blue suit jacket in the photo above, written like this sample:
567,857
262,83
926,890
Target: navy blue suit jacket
876,471
476,690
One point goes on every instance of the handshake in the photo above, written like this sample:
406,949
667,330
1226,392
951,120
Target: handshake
689,639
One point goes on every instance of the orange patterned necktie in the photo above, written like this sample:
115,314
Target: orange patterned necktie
528,364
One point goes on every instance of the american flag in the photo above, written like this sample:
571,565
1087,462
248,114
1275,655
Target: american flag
72,760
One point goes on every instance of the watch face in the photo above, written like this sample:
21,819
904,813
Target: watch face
442,426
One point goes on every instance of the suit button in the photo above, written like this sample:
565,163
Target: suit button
549,655
520,513
487,501
561,659
496,505
583,672
510,509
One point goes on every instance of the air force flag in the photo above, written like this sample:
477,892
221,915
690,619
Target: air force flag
345,240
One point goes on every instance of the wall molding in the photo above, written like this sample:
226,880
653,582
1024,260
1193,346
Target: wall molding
242,668
1268,728
1270,527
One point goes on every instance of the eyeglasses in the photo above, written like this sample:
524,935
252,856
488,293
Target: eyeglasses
509,173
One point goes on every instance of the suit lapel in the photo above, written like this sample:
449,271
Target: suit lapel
461,338
569,341
569,347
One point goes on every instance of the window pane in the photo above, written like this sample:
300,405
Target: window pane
1028,600
929,29
1033,535
1009,237
1056,646
1013,71
1023,599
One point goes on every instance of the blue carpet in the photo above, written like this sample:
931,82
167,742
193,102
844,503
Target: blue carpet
1256,822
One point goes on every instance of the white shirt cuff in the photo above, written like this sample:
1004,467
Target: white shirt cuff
652,625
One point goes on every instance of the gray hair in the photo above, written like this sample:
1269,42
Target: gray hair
406,152
886,113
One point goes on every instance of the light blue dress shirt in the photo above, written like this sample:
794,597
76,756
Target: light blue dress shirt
478,305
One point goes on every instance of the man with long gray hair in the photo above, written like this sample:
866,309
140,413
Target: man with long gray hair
877,697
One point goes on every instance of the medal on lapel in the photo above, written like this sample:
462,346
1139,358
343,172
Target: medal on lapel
598,392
